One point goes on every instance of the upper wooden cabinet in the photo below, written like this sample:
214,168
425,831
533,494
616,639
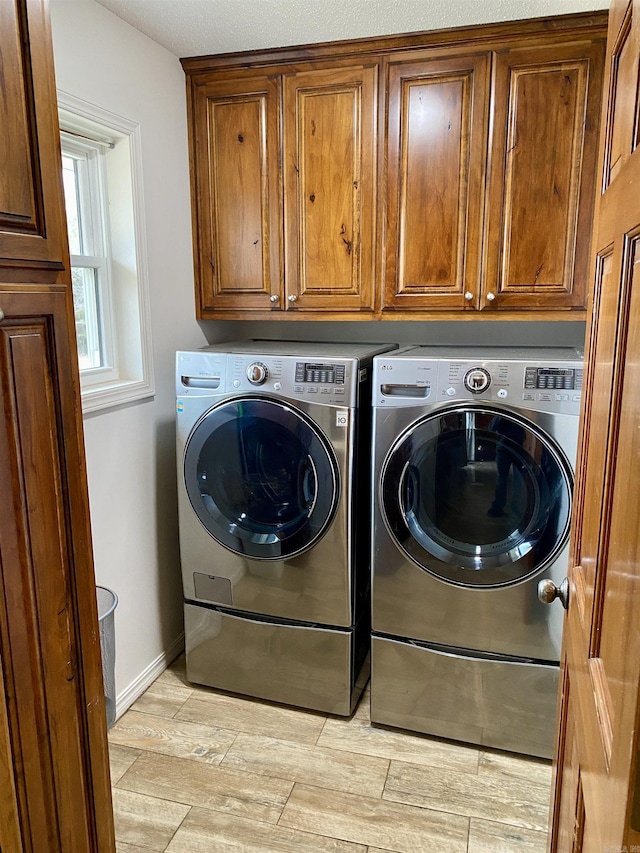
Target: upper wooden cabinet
33,231
411,176
285,219
329,188
435,153
542,176
236,193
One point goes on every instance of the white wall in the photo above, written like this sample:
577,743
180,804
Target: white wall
130,449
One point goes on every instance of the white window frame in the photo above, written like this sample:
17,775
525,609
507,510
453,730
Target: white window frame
114,184
93,203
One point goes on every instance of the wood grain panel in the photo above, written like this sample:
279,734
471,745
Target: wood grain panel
543,165
9,805
601,639
50,650
567,784
623,96
19,209
32,221
436,140
327,197
238,183
616,614
587,515
542,180
37,592
236,195
329,183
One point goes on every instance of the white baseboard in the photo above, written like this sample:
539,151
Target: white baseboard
137,687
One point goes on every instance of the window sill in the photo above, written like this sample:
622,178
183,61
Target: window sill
98,397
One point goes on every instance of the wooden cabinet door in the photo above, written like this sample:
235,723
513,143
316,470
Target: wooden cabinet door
53,754
236,191
330,188
32,226
435,154
597,766
543,151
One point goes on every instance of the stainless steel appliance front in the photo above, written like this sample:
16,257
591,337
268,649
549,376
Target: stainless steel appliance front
472,465
273,503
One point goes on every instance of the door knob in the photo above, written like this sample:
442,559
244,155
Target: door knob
292,298
548,592
274,298
468,296
490,296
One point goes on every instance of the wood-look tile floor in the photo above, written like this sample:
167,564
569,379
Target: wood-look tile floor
197,771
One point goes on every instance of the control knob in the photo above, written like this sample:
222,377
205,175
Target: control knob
477,380
257,373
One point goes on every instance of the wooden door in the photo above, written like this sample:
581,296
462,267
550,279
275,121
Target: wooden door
541,176
32,227
236,194
55,793
436,141
597,767
329,188
53,696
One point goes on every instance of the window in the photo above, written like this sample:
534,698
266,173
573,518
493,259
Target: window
101,173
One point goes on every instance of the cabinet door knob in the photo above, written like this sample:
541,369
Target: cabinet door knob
1,315
468,296
293,298
490,296
274,298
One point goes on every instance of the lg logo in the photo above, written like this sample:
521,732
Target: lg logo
386,367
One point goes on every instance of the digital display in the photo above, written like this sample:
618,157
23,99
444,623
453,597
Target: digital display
558,378
325,374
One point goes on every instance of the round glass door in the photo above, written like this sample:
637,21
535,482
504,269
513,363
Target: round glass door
261,478
477,496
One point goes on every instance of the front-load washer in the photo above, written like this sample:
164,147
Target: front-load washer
274,517
473,454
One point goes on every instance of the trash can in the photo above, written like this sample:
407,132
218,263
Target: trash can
107,603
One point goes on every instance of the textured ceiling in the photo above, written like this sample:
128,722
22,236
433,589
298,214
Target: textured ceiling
198,27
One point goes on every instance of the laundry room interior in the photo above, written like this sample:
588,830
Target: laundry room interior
353,267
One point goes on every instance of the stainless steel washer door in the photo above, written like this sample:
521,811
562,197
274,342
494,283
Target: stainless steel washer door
261,477
477,496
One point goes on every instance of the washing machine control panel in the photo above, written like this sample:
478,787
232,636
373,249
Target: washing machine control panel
329,381
530,381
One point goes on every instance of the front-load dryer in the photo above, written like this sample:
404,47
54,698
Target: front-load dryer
273,497
473,454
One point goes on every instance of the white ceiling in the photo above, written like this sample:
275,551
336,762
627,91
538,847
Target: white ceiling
199,27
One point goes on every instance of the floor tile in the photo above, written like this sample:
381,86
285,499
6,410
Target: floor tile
359,736
239,835
367,820
146,821
490,837
176,673
172,737
318,766
255,777
508,799
252,717
120,759
520,766
199,784
163,699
